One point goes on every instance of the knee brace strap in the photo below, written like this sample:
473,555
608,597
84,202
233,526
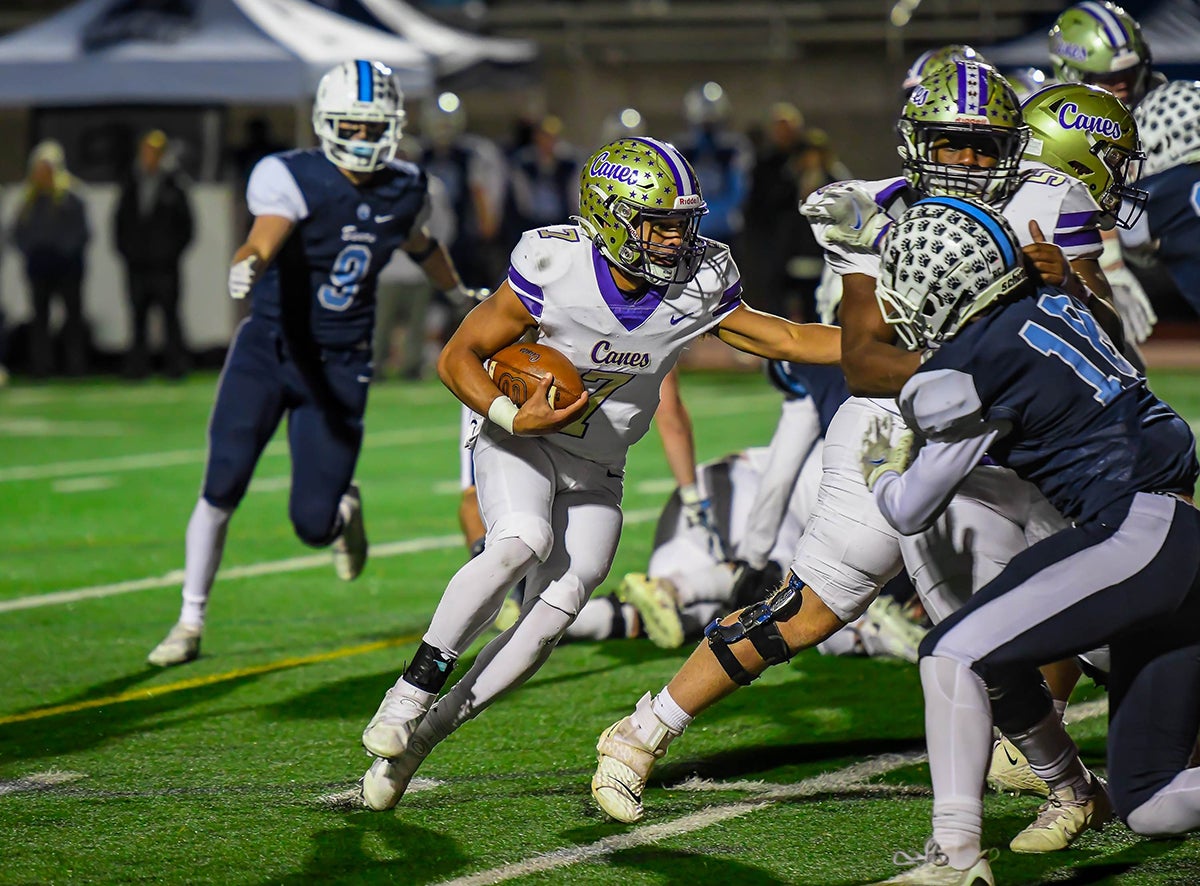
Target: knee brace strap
758,624
430,668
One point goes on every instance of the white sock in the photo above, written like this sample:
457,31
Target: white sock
958,730
1174,809
1052,755
671,714
204,545
709,583
471,599
595,620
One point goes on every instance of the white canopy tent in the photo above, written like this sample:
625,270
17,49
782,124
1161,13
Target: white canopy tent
215,52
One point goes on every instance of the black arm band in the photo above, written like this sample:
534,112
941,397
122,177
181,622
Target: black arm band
430,249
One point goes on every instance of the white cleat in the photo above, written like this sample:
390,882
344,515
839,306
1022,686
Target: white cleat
625,755
932,868
350,547
655,602
1009,772
887,631
509,615
181,645
400,713
1064,817
386,781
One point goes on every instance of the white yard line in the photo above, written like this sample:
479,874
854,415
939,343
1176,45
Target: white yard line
850,776
38,781
253,570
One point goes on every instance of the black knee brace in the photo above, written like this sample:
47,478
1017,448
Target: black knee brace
757,623
430,668
1019,697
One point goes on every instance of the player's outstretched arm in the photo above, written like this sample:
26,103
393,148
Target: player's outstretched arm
874,366
775,338
492,325
266,237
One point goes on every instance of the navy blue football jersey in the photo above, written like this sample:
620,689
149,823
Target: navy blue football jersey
1173,216
1076,418
344,236
825,384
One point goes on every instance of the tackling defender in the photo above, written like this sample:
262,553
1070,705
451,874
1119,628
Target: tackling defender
1024,374
621,293
326,220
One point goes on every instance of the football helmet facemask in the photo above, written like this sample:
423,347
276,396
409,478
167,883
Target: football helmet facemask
1088,134
358,95
635,180
1169,123
963,104
1101,44
944,261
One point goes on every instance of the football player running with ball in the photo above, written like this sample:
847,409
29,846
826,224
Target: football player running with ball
326,220
621,292
962,135
1024,374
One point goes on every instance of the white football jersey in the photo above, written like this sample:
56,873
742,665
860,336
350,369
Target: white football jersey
622,348
1062,206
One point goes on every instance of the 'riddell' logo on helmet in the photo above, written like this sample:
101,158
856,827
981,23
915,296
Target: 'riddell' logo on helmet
1073,51
972,118
692,201
1070,118
618,172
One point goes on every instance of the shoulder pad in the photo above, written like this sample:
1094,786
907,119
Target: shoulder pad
544,255
942,404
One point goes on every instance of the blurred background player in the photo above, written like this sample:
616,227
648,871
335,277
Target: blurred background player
326,220
930,60
721,156
543,180
1169,232
153,227
50,230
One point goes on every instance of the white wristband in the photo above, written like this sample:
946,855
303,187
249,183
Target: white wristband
502,412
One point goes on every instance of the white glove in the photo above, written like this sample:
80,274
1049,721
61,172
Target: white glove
241,277
851,213
885,448
1137,314
697,511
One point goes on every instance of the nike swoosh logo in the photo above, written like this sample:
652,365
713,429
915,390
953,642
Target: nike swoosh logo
1011,759
381,219
679,318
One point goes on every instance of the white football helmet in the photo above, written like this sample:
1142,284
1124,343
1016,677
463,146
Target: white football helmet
1168,121
355,93
943,262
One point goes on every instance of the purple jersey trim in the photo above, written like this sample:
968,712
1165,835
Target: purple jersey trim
1078,238
630,314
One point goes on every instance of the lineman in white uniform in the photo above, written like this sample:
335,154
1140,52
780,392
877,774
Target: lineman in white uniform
962,134
621,293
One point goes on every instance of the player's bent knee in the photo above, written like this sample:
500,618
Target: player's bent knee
315,526
566,594
530,529
758,624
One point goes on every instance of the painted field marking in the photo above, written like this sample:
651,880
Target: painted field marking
38,781
824,783
149,692
70,486
253,570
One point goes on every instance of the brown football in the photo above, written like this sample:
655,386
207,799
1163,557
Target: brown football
517,369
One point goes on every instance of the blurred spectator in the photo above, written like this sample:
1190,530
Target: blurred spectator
472,170
782,259
404,292
153,227
544,181
51,232
721,157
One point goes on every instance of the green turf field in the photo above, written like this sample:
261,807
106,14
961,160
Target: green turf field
221,771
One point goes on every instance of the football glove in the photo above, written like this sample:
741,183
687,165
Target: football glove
885,449
1137,314
850,211
242,275
697,511
466,297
